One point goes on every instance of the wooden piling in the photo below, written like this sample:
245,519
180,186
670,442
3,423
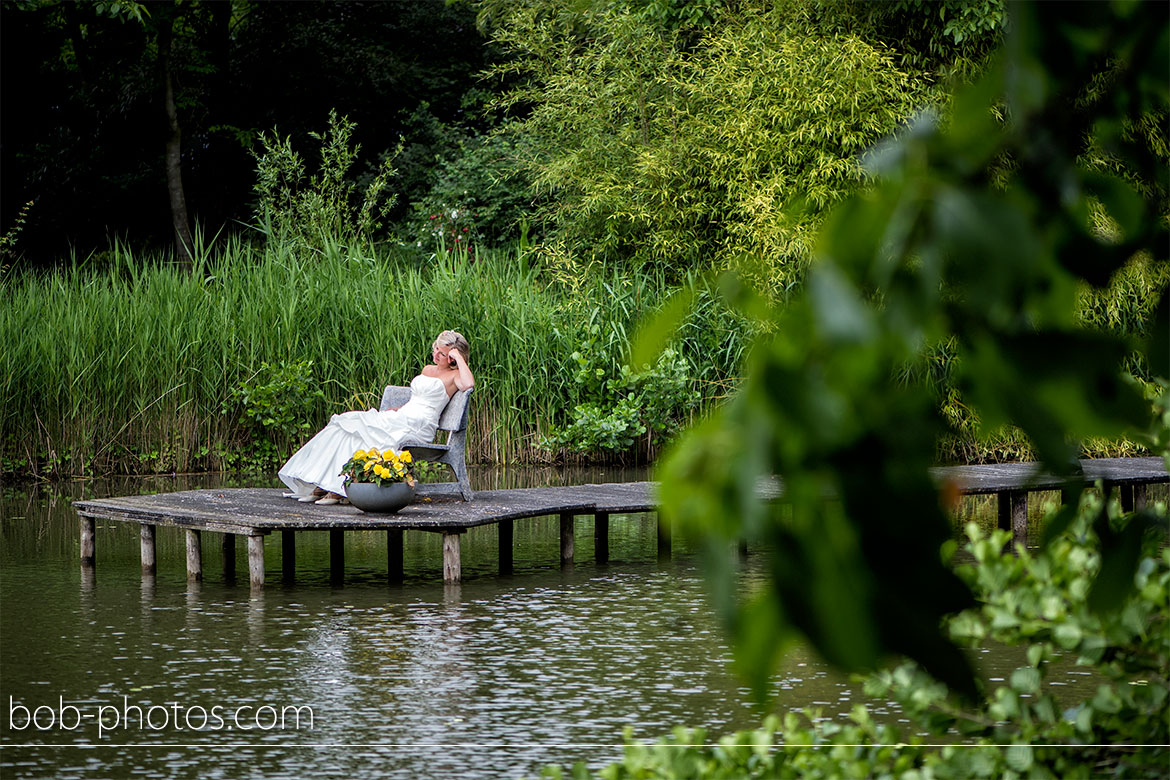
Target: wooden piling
228,546
601,537
194,556
664,540
504,545
1013,515
146,546
394,568
452,571
1139,497
256,561
88,545
1125,496
566,538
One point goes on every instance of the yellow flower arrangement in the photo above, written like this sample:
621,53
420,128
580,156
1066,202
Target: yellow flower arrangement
380,468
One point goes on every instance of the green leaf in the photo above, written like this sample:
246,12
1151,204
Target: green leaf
1019,757
1025,680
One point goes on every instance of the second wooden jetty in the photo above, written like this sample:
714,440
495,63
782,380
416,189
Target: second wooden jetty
256,513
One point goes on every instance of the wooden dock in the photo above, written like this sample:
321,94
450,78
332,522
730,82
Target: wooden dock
256,513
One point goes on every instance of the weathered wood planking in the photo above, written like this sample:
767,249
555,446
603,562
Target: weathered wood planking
1006,477
259,511
255,513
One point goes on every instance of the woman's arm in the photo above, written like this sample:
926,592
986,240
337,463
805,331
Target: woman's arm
465,379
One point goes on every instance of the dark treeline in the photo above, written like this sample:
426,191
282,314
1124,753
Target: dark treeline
85,125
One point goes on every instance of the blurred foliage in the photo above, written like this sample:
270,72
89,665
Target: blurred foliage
1039,602
978,236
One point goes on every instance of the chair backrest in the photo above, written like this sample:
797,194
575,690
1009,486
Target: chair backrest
453,416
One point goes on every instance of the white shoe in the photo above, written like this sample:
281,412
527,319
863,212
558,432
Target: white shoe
309,499
291,495
327,500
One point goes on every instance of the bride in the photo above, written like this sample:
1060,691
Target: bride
313,473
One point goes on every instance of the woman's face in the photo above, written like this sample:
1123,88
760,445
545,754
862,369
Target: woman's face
439,353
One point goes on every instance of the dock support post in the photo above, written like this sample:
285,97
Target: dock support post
336,556
1125,495
194,556
256,562
288,556
452,572
566,538
1013,514
601,537
1139,497
228,545
87,543
504,541
394,569
663,538
146,546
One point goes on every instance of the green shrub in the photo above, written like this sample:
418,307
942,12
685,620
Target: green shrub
325,207
275,407
627,408
479,198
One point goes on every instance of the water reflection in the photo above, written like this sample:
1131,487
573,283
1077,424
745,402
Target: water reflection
546,665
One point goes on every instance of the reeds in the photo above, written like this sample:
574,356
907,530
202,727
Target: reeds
124,363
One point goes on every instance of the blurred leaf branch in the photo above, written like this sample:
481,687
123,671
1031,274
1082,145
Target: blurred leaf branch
980,234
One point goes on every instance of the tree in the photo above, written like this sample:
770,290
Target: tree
696,135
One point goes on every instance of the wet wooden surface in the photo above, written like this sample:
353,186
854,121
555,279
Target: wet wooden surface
253,511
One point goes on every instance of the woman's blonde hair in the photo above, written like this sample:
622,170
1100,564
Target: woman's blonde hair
450,338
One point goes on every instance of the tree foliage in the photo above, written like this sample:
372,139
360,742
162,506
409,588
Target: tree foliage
978,233
695,142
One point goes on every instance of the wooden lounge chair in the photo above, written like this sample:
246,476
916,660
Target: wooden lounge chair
453,420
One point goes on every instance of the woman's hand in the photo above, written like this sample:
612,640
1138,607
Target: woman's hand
464,379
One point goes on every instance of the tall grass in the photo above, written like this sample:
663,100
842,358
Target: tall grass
127,366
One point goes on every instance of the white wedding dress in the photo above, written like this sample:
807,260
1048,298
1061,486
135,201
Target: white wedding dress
319,462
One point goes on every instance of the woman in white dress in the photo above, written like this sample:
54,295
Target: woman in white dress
314,472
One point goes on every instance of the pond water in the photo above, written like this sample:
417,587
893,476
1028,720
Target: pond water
495,677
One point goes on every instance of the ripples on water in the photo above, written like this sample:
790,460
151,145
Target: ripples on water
491,678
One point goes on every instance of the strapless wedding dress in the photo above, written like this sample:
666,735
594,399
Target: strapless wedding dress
318,463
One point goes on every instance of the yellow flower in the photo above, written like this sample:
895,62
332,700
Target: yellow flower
389,455
373,453
406,456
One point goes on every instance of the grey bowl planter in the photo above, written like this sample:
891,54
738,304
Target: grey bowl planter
379,499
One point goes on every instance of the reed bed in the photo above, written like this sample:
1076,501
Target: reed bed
127,363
